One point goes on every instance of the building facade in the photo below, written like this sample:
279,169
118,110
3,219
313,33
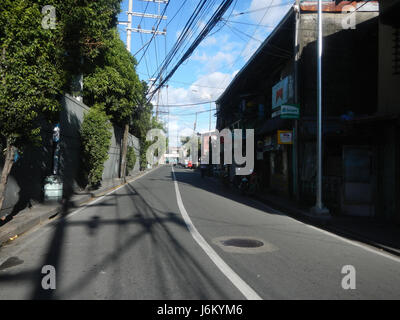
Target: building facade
276,94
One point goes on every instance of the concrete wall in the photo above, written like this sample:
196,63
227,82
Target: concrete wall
112,165
25,183
71,119
24,187
389,83
349,64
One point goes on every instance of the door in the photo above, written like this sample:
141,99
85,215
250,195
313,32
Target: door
358,197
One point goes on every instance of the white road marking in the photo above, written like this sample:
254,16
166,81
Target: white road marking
20,248
352,242
238,282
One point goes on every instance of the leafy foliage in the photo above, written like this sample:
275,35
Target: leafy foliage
113,81
131,159
30,76
96,140
84,27
142,122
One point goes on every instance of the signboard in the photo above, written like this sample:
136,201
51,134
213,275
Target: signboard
276,113
290,111
285,137
282,92
287,111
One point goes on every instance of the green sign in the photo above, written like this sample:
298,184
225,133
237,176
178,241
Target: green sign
289,111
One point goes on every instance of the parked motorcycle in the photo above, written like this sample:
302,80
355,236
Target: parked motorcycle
244,185
249,184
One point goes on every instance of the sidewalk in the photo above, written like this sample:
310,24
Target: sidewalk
41,213
379,234
373,232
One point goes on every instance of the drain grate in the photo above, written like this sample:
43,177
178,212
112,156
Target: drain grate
242,243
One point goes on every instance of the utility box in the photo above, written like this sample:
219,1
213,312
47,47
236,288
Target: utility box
53,188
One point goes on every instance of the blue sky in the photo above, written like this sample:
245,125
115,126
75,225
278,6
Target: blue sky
211,67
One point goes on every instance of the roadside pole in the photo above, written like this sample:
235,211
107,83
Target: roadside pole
319,208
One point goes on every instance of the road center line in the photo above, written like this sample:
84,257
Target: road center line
236,280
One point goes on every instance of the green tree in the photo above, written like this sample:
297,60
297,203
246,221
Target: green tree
31,78
114,83
96,140
130,159
84,26
143,120
38,64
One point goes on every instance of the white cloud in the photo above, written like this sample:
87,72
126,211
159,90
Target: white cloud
214,62
268,13
273,12
206,88
209,41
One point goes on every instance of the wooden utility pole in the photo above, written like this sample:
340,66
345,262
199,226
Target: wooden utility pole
124,152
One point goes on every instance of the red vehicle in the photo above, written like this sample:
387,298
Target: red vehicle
189,165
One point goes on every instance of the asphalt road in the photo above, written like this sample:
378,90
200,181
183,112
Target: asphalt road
158,239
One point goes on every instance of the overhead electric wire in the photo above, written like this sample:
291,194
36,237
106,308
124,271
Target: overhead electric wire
245,46
188,32
183,104
176,13
155,30
191,114
211,23
223,20
182,36
260,9
284,53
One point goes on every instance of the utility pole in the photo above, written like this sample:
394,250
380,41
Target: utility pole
131,13
319,208
209,122
129,31
158,99
296,101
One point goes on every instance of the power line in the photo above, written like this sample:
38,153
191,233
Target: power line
154,33
244,48
192,114
211,23
184,104
260,9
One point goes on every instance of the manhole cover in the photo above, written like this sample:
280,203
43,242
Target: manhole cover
242,243
238,244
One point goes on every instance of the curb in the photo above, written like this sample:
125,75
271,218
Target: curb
325,225
39,214
322,223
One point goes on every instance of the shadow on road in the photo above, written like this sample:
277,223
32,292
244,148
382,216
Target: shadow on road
159,225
